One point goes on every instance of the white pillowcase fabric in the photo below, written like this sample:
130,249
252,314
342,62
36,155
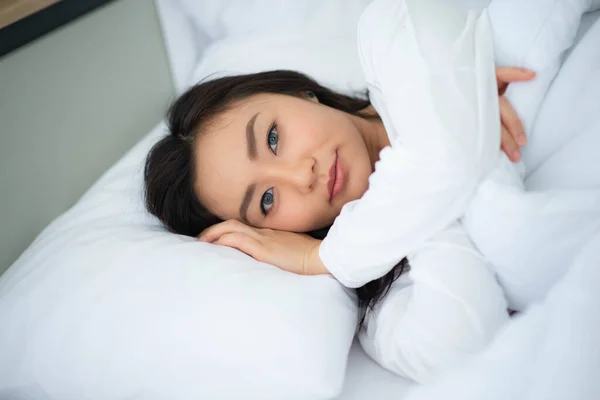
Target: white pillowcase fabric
238,18
315,37
183,42
333,62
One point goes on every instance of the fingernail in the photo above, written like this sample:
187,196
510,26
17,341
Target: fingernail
516,156
522,139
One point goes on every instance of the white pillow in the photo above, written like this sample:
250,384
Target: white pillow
313,37
333,62
105,304
240,18
183,42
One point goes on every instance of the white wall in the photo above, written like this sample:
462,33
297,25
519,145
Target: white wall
71,103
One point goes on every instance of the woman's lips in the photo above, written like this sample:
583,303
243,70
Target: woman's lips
336,178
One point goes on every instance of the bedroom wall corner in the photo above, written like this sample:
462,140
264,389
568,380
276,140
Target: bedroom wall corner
71,104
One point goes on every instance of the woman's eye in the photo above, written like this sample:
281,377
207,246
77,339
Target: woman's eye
267,201
273,139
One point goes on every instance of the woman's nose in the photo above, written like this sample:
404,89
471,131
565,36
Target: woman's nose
299,174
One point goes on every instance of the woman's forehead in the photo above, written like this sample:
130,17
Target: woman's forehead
239,111
221,163
255,100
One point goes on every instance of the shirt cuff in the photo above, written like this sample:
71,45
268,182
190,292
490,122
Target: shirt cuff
335,268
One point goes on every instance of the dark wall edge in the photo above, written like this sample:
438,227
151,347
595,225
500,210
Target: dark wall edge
32,27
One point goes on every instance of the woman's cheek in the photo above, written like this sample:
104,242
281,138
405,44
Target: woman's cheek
302,216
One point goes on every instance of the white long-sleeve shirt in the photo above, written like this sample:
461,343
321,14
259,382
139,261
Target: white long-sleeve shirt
450,304
425,180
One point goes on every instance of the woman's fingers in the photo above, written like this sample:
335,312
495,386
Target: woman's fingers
514,74
513,133
216,231
506,75
289,251
242,242
512,122
509,146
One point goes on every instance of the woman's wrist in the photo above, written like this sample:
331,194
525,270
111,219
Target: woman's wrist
313,265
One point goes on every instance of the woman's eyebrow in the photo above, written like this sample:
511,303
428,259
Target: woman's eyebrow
251,137
246,202
252,155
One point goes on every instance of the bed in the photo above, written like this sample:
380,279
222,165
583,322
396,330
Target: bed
364,379
512,357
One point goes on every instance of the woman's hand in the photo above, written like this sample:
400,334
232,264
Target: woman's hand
289,251
513,135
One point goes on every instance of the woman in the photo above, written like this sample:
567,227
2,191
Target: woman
276,155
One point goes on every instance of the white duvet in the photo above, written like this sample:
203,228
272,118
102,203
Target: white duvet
538,223
531,220
551,352
551,263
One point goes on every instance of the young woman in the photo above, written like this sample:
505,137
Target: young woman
266,163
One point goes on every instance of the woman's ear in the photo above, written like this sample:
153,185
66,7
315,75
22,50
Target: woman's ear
309,95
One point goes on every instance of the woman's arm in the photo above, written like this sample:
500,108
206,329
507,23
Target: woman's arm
451,306
431,75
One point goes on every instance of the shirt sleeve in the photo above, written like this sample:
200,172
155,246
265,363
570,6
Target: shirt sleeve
452,307
430,72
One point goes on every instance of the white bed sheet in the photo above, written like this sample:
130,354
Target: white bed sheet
365,379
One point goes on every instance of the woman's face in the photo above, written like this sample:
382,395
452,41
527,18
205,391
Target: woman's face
281,162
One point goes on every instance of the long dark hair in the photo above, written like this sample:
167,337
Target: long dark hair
169,171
